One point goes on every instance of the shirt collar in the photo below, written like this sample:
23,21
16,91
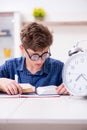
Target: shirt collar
45,68
21,64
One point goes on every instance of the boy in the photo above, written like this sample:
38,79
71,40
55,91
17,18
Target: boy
35,66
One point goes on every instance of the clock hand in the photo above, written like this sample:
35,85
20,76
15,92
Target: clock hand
83,77
78,77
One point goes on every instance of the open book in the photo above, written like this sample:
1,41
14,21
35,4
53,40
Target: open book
43,90
30,91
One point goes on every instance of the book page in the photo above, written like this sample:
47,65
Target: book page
46,90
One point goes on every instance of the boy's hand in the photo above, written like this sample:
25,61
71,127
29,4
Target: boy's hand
62,90
10,86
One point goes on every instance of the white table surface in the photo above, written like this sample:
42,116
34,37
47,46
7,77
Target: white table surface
64,112
8,106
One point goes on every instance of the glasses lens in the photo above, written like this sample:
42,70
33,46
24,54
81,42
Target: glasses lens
34,57
45,55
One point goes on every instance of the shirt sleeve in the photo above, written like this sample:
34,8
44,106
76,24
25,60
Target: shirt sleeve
4,71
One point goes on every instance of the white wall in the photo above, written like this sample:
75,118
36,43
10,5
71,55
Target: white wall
64,39
57,10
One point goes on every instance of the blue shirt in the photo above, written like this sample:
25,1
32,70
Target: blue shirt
50,74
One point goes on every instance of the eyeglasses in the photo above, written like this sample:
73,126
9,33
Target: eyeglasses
36,57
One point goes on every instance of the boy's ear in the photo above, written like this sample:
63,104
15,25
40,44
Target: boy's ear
21,47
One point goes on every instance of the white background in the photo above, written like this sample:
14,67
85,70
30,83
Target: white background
57,10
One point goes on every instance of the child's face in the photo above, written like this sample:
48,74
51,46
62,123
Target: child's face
36,59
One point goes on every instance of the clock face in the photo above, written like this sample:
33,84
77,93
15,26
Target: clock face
75,74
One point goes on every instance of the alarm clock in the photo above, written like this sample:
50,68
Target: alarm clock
75,72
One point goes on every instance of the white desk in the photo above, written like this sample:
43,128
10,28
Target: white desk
59,113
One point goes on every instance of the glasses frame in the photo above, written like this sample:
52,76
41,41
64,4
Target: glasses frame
39,56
